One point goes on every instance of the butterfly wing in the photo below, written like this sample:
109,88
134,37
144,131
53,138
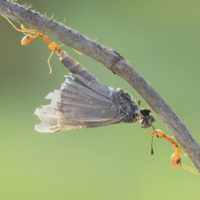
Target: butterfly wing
83,101
78,104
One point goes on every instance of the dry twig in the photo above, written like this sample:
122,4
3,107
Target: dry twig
113,61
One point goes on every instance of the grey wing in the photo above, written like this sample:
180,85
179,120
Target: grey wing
78,104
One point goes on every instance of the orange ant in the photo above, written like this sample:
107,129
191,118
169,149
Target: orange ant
30,35
176,156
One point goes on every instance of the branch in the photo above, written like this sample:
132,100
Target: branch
113,61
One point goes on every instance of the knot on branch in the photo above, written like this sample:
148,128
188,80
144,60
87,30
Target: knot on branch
117,58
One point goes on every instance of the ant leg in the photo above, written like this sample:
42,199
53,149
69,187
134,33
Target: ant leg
26,31
48,61
190,169
17,29
78,52
184,155
22,30
61,45
147,132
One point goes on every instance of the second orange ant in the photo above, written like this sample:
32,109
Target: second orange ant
176,156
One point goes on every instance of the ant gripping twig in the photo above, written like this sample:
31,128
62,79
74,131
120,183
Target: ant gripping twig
29,37
176,156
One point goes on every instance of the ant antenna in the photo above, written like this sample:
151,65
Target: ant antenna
152,151
152,136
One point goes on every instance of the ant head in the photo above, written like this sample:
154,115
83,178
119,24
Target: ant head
146,118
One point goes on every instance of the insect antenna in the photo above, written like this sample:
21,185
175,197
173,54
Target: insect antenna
152,151
152,136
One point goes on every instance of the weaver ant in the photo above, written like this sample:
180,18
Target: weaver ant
29,37
176,156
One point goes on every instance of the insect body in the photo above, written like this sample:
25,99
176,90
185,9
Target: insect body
83,101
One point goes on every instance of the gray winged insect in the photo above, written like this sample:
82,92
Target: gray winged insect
83,101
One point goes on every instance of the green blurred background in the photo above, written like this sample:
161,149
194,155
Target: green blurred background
162,40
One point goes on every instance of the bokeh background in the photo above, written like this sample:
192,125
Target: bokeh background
162,40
